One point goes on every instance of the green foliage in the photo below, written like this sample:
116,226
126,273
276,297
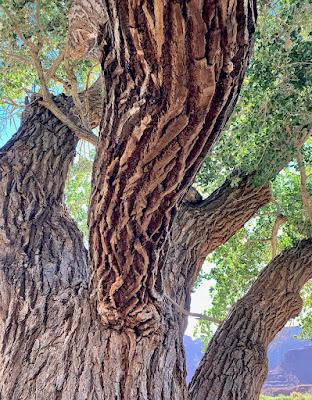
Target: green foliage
237,263
19,24
272,116
77,189
17,72
274,109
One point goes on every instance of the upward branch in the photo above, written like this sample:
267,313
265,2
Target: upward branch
249,328
82,131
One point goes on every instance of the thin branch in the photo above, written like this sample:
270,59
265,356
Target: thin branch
16,57
192,314
80,132
39,38
280,220
15,25
85,134
50,73
75,95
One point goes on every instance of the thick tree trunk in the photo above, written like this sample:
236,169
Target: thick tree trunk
173,72
49,339
54,344
235,363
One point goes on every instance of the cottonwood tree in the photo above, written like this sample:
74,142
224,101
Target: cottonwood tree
110,326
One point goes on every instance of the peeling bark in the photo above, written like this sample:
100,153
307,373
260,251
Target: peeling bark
172,75
235,363
173,71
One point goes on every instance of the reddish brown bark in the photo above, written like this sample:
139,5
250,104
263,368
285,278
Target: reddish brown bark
173,72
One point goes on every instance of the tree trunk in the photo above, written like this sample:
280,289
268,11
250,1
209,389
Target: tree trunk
173,71
53,342
49,338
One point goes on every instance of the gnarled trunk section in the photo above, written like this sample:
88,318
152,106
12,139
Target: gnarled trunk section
173,71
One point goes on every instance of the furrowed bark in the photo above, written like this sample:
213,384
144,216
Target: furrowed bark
50,340
172,75
52,343
235,363
201,226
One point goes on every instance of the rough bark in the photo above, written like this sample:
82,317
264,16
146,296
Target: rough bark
172,73
203,225
235,364
50,342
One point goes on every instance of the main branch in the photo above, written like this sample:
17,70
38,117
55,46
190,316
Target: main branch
235,363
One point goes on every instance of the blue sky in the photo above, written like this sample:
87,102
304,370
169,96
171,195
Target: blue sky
7,128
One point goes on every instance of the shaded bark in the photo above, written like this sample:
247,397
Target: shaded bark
235,363
173,71
49,339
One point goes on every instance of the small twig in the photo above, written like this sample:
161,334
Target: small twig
50,73
192,314
39,37
75,95
15,25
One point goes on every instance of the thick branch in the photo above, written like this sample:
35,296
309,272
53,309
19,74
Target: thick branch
203,225
273,299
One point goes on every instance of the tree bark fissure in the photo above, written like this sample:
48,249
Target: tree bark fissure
50,340
203,225
171,87
172,71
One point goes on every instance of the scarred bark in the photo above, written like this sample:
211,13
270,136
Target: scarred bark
235,364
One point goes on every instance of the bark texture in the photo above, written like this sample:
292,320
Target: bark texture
235,364
49,340
173,71
203,225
